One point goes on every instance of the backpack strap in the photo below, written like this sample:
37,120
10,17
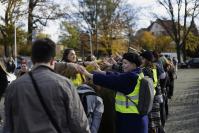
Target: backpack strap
41,99
128,98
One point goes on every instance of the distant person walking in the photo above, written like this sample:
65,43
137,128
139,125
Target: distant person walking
175,63
43,101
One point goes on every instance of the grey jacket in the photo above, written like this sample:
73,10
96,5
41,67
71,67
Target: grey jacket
25,114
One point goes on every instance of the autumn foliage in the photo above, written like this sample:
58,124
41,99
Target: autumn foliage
150,42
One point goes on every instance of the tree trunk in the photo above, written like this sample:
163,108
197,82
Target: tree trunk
96,30
6,47
6,50
30,23
96,41
184,51
82,51
12,50
178,52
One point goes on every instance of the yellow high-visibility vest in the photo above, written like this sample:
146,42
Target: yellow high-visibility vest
78,80
155,77
123,104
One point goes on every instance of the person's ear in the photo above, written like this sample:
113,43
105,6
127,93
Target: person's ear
52,62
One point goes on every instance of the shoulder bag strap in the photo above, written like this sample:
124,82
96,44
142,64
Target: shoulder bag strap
43,104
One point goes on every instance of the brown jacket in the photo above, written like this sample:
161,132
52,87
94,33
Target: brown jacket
66,69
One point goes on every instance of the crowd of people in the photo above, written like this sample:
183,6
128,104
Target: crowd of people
91,96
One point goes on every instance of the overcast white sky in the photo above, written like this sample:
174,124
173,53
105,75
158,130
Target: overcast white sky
145,16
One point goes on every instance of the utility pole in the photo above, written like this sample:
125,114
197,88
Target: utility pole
90,40
15,44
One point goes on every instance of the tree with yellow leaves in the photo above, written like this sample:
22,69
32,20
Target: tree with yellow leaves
160,43
192,45
164,43
147,41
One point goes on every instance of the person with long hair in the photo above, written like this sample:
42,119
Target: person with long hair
70,57
92,103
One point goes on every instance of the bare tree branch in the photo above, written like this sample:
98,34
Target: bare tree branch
189,10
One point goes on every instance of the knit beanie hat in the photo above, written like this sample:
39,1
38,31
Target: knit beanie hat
133,58
148,55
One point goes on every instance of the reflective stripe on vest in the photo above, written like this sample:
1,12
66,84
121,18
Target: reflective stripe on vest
155,78
123,104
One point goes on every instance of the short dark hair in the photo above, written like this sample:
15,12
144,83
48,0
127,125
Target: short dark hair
133,58
43,50
148,55
65,54
156,54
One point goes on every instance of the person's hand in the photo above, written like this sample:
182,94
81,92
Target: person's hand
73,66
86,63
83,71
107,63
118,56
94,64
112,61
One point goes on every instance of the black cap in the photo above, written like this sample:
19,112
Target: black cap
148,55
133,58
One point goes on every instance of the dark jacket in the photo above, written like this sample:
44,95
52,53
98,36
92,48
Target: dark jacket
121,82
3,83
25,114
124,83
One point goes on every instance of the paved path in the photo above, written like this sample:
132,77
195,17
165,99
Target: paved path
184,106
